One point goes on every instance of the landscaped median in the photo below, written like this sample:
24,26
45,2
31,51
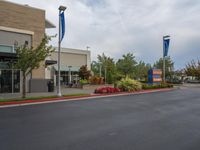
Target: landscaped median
105,92
131,86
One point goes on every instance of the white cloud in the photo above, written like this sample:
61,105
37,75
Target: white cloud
116,27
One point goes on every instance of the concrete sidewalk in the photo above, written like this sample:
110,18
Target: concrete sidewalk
64,90
191,85
68,98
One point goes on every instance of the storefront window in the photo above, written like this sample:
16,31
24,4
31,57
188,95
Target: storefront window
9,81
6,49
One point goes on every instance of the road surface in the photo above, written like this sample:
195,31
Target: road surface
156,121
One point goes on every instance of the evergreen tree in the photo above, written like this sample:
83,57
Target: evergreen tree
169,66
126,65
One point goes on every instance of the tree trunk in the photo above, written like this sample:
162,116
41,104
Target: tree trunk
24,85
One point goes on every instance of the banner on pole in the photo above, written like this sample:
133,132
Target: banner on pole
166,47
62,25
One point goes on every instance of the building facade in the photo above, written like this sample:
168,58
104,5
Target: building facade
25,25
71,61
19,25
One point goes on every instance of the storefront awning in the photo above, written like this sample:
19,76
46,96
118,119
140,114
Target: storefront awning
65,68
50,62
48,24
8,56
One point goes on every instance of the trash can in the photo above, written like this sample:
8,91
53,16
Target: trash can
50,86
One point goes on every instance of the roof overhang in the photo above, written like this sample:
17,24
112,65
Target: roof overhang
48,24
8,56
50,62
66,68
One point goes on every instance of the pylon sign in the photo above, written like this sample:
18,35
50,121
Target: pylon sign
154,76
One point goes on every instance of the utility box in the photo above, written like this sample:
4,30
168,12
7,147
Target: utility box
154,76
50,86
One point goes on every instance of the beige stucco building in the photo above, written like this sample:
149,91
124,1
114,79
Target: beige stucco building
71,61
23,24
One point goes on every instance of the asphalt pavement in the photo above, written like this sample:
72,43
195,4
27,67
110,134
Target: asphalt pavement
157,121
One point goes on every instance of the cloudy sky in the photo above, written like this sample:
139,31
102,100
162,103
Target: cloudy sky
116,27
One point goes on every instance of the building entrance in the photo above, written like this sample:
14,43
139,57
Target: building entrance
9,81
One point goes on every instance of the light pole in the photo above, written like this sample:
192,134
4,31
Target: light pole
105,74
165,48
100,69
70,78
61,9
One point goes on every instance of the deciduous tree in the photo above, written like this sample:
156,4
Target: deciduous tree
84,73
193,69
29,58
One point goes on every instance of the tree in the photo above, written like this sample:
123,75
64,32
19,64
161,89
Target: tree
169,66
193,69
179,75
107,66
95,68
126,65
29,58
141,70
84,73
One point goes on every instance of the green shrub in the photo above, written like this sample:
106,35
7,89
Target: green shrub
83,81
129,85
110,79
156,86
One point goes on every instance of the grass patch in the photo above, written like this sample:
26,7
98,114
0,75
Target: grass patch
41,97
77,94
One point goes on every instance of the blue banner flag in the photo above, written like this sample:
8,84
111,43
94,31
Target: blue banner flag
166,47
62,25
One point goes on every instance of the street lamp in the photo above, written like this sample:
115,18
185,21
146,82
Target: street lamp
87,48
61,9
167,37
70,78
100,69
105,74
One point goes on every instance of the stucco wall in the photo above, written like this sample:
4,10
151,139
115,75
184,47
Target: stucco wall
20,17
10,38
69,59
73,57
23,17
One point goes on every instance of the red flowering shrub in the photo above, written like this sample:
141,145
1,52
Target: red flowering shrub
107,90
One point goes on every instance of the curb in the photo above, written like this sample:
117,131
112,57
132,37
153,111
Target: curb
76,98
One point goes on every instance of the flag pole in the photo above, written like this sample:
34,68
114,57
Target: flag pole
164,59
165,51
61,9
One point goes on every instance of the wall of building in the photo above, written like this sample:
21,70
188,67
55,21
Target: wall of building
24,18
12,39
70,59
73,57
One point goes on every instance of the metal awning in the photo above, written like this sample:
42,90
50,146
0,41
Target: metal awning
65,68
8,56
50,62
48,24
